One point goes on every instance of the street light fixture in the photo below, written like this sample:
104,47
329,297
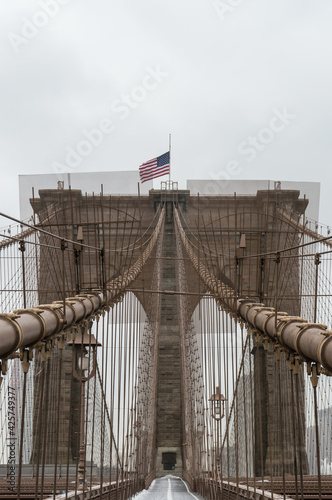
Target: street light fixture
85,348
217,403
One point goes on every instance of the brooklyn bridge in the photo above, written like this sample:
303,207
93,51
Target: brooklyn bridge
168,342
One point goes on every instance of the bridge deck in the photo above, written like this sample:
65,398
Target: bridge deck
111,490
172,488
310,486
292,487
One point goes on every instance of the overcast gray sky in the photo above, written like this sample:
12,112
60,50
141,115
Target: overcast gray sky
243,86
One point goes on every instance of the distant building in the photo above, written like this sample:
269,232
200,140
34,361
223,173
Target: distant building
227,186
325,442
121,183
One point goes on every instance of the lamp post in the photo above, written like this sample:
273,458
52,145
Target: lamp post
85,351
217,405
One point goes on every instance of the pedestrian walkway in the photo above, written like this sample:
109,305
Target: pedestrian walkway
168,488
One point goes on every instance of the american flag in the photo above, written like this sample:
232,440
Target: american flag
154,168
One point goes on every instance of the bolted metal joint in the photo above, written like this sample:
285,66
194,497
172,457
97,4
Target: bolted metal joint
317,259
22,246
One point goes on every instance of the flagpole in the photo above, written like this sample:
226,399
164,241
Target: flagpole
169,140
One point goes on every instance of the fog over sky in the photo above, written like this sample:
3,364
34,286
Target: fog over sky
243,86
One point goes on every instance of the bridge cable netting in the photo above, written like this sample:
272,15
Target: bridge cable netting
85,318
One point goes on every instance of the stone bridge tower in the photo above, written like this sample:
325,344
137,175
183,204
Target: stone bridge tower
239,225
